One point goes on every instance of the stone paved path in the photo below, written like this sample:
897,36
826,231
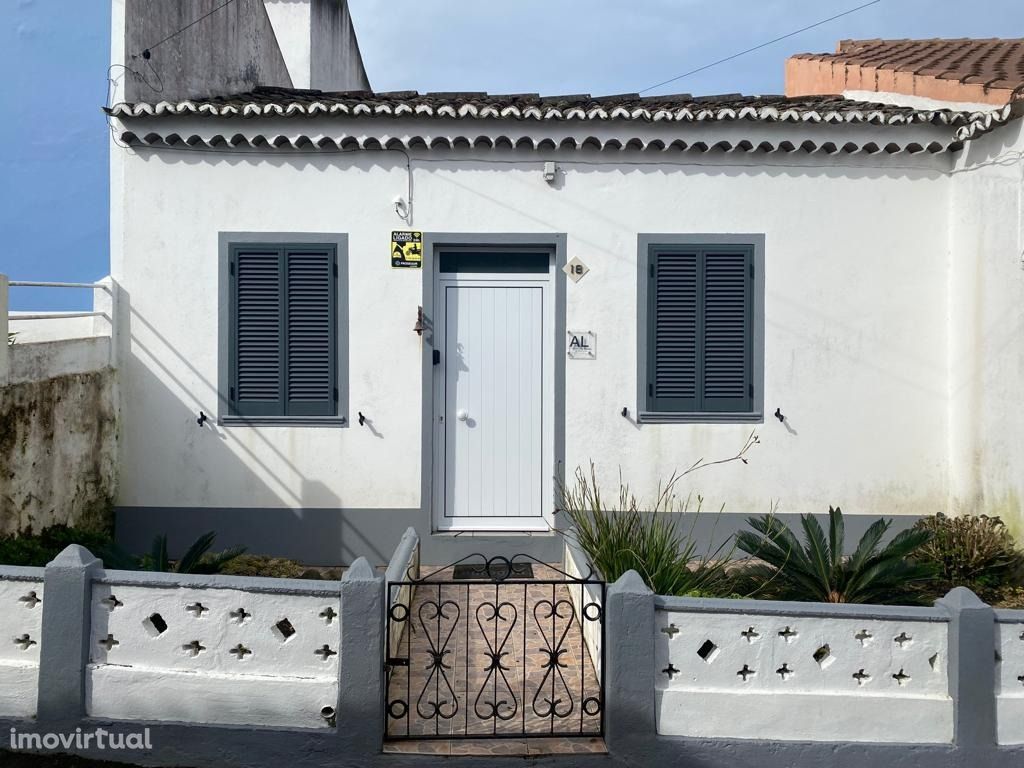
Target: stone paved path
522,624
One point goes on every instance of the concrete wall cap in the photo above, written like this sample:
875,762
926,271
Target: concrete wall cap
631,583
960,598
360,570
75,556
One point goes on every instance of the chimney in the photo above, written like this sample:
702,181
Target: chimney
318,42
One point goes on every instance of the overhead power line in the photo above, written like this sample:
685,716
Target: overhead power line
762,45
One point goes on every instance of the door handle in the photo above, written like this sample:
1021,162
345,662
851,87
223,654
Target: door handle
462,414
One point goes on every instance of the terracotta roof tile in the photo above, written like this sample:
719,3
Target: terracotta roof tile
997,63
683,107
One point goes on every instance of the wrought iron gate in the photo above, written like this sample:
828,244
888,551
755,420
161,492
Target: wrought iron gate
495,648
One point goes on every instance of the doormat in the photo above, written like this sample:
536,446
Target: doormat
498,572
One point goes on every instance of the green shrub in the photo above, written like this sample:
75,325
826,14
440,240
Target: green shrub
816,569
649,539
37,549
261,565
974,551
198,558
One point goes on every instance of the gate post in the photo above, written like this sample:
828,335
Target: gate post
360,720
629,656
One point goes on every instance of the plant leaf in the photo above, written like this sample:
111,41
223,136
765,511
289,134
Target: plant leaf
191,558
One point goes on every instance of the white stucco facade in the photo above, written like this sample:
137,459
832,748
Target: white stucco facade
986,359
858,255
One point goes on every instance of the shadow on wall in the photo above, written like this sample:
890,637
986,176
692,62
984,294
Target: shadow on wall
308,525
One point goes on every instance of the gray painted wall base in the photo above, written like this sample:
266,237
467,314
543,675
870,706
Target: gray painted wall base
338,536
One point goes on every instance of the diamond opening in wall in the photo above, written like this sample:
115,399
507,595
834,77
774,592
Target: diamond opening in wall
708,651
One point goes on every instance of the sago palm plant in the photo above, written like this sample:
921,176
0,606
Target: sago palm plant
816,570
198,558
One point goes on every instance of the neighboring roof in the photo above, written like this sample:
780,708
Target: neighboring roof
286,102
985,71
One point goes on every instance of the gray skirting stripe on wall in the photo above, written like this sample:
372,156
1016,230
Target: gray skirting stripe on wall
330,536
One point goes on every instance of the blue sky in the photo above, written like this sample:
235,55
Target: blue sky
53,153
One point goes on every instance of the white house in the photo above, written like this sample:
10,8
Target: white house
424,309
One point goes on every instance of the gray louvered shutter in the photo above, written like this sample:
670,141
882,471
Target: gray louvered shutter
673,334
727,379
257,384
310,345
700,331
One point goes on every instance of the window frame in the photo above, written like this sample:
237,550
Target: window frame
647,246
227,243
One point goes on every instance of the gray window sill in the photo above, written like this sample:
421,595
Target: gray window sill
282,421
650,417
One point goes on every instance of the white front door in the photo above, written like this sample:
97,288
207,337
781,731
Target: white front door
492,430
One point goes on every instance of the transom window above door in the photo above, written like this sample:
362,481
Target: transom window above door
701,329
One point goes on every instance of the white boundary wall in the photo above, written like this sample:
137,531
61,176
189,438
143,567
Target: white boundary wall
784,671
233,656
21,620
1010,676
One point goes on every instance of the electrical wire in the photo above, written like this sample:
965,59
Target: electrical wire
759,47
146,51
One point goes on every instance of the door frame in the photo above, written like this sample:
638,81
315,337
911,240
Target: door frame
432,468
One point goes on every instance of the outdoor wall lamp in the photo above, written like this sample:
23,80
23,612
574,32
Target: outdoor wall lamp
778,414
419,327
362,419
202,419
625,413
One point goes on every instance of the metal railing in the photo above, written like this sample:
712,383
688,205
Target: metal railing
105,308
56,315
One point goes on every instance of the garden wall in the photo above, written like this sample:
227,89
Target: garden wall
233,671
58,415
799,671
58,448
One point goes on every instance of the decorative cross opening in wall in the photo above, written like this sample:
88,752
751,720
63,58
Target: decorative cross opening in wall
708,651
285,629
197,609
746,672
750,634
109,642
787,634
325,653
240,615
861,677
671,630
328,614
24,642
903,639
195,648
671,671
111,602
30,600
240,651
784,671
864,637
901,678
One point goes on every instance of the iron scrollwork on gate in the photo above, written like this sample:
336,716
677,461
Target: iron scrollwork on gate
495,648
